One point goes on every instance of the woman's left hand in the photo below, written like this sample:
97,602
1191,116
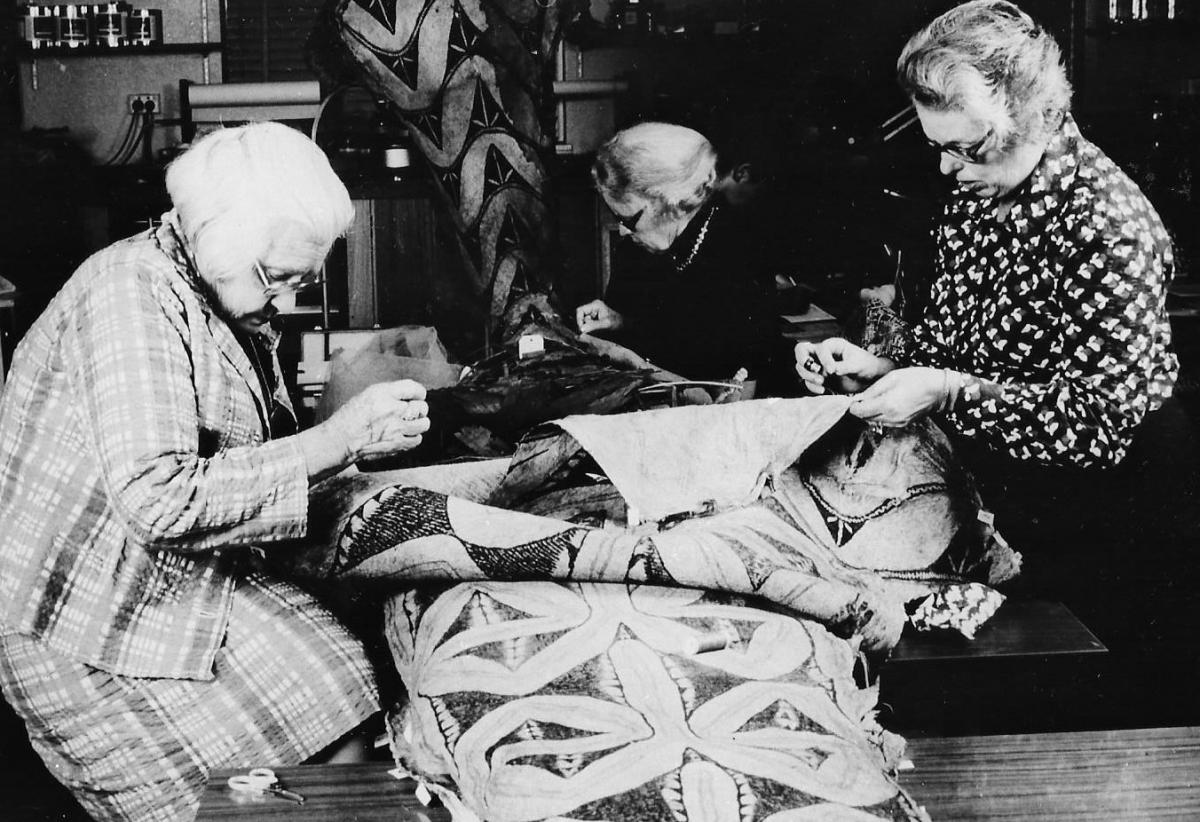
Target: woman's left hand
901,396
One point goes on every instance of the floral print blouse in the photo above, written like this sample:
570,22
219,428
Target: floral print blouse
1062,302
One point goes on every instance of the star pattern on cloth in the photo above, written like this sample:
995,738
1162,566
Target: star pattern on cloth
1062,301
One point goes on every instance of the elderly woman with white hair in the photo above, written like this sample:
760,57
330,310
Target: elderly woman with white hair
1046,346
146,446
696,306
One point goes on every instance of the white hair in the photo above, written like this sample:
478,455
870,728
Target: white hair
241,192
992,59
670,165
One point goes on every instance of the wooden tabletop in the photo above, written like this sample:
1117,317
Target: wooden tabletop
1124,775
1119,775
365,793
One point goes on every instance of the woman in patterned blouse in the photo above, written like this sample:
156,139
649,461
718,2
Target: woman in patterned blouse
146,444
1047,336
1046,348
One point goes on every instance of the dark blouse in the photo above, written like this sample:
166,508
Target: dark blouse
1062,302
709,319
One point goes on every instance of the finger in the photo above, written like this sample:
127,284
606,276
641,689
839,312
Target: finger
812,379
391,445
870,410
413,390
876,391
401,390
415,409
826,359
415,427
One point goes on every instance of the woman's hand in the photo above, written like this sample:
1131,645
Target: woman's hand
597,316
901,396
383,419
838,364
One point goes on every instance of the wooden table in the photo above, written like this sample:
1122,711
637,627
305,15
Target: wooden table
1120,775
365,793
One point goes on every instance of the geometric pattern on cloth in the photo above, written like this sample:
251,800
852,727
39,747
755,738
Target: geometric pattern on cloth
398,515
554,681
584,701
290,680
843,527
416,535
899,502
469,79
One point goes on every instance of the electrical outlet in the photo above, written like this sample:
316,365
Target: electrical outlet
140,102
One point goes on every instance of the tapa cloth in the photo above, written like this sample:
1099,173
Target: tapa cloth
578,693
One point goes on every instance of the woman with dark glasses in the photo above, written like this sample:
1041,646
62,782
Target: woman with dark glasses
1046,347
1047,338
695,305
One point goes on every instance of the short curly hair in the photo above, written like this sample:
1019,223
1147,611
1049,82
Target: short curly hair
238,191
672,166
990,57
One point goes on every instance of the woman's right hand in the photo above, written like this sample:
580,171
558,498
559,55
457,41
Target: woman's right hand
597,316
838,364
385,418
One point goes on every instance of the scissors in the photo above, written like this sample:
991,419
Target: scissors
263,780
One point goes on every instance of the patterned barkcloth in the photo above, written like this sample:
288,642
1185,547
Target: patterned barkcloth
694,661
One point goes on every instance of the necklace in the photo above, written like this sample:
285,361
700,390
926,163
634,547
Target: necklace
680,265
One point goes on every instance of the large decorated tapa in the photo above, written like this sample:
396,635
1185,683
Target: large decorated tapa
673,635
471,79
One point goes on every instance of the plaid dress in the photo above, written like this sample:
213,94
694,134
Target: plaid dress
136,468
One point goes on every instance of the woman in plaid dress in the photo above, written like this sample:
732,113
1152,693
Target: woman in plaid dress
147,444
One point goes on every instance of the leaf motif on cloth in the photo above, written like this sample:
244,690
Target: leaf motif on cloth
611,714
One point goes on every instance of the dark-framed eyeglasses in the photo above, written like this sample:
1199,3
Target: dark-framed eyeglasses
296,282
629,223
972,153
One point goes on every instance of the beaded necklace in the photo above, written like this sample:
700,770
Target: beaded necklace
680,265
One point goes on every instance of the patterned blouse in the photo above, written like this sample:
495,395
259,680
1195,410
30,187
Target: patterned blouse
135,467
1062,302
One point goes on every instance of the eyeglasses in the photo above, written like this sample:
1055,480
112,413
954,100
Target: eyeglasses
972,153
629,223
273,288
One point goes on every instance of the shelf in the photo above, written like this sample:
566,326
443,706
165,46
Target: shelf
1154,29
27,53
